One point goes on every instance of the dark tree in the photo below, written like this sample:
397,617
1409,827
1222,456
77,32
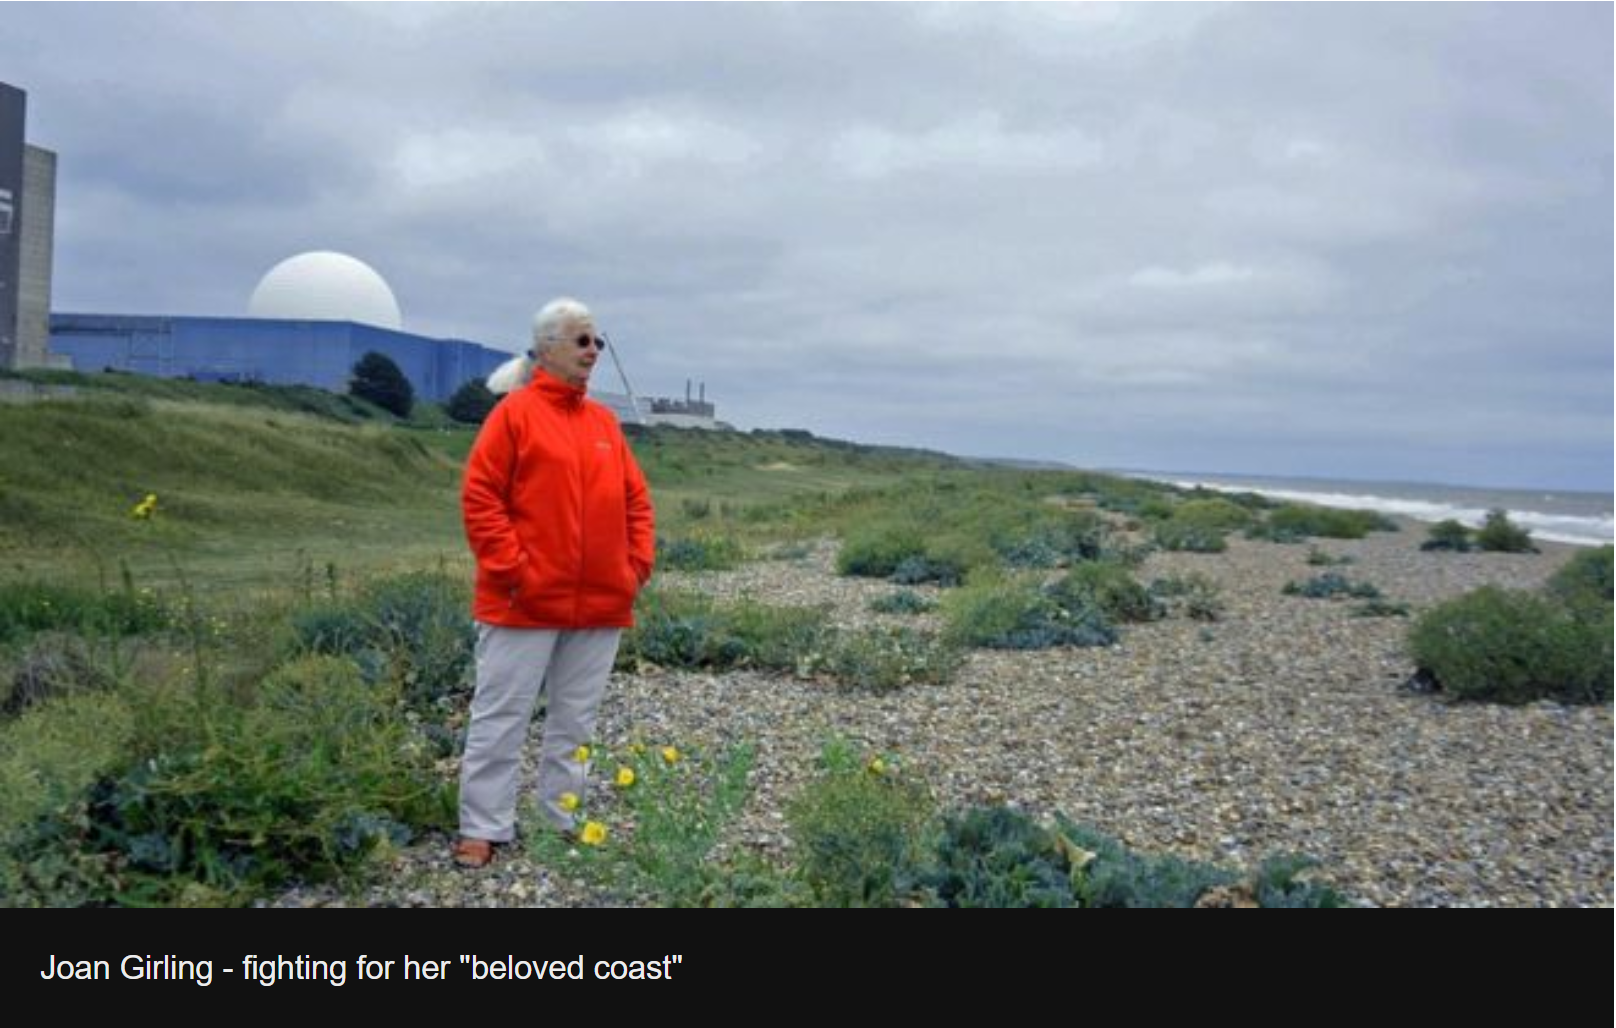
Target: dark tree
377,379
471,403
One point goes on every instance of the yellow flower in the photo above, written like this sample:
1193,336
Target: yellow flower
878,766
145,508
636,748
625,777
569,801
581,754
594,833
670,754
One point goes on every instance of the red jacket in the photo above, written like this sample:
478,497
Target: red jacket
557,513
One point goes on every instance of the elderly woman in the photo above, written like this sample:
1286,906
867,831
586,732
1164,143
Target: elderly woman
559,518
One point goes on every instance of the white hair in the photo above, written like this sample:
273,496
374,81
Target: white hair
548,325
511,375
554,316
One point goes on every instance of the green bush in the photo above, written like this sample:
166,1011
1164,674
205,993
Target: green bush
687,630
1216,514
1330,585
904,601
1584,583
1016,614
1054,539
1300,521
52,665
994,857
930,570
1381,609
879,552
1183,536
471,403
883,659
414,629
305,783
700,553
1514,647
857,835
1448,536
678,811
1498,534
1109,587
377,378
1194,595
28,607
1112,875
1320,559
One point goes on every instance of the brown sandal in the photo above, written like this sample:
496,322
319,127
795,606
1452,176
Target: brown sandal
473,853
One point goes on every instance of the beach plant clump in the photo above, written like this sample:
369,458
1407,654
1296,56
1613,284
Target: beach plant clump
1448,536
1498,534
701,552
1512,647
1019,613
1329,586
1194,595
1584,582
1295,522
904,601
217,798
1110,587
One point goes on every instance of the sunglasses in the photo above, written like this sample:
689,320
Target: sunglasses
585,341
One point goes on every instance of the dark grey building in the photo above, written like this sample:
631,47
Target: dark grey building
27,231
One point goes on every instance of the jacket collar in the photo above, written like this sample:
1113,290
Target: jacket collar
555,390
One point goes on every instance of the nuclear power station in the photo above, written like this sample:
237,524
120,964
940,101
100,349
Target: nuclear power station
309,320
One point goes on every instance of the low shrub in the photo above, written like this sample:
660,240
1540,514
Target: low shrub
687,630
1182,536
1109,587
883,659
994,857
700,553
1448,537
1194,596
29,607
1330,585
1584,582
857,834
1514,647
1301,521
306,782
904,601
1498,534
1016,614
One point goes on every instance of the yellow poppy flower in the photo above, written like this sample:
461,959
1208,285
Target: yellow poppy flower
569,801
581,754
670,754
878,766
625,777
594,834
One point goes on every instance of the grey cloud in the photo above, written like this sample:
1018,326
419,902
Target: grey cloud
1234,236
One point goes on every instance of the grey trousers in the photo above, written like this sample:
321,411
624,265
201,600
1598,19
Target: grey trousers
514,666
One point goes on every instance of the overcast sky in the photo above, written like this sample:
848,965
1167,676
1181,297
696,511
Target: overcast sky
1354,240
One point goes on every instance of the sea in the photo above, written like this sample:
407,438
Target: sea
1559,515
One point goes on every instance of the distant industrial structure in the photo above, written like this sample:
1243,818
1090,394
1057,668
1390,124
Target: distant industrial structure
310,319
27,235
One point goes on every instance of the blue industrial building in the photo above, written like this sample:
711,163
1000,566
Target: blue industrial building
268,350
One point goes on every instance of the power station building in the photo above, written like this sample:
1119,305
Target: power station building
274,351
27,233
310,320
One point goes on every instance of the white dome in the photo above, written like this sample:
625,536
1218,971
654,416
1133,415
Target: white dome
325,286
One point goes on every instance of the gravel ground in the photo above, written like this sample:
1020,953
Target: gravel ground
1283,727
